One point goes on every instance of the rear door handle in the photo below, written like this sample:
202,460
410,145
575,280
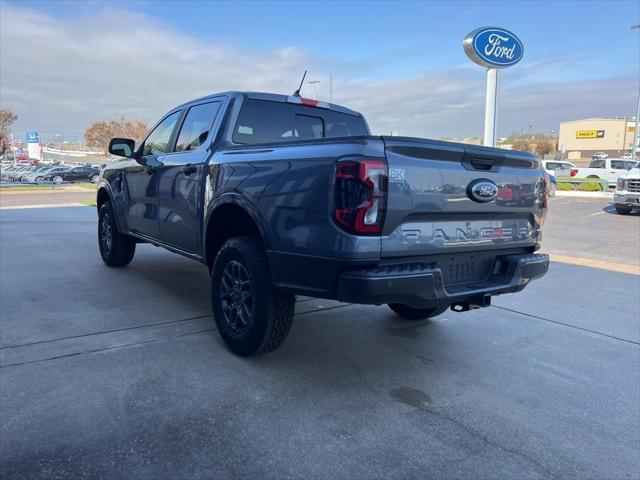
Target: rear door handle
189,169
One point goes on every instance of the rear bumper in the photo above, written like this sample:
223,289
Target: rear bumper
421,286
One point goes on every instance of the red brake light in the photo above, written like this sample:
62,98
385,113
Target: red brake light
360,195
307,101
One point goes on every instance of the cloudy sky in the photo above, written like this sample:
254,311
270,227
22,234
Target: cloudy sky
65,64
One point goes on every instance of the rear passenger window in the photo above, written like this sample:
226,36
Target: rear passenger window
262,121
195,129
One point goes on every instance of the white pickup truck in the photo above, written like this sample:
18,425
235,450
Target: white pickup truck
608,169
627,194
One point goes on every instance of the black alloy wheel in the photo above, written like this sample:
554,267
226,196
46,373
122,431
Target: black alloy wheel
236,297
116,249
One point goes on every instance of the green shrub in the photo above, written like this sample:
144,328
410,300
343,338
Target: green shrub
590,187
581,184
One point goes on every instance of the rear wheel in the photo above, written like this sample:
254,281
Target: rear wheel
252,316
623,209
57,179
411,313
38,179
116,249
95,178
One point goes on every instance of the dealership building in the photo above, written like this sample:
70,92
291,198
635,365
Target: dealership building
582,138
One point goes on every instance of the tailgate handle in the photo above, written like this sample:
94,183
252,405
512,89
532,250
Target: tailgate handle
480,163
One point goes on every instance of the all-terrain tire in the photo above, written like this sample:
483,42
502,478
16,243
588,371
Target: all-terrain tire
411,313
116,249
252,316
623,209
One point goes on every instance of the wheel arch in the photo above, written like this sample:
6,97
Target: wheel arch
103,195
229,217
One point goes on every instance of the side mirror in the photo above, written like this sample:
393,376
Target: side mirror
122,147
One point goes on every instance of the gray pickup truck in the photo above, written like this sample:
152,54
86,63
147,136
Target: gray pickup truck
281,195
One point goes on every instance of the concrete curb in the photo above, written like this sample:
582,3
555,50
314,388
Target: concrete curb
42,205
562,193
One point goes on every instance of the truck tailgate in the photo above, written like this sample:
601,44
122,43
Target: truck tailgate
431,211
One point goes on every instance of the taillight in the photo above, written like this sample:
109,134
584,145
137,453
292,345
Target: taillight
360,195
574,172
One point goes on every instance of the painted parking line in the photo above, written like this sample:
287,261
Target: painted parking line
609,209
604,265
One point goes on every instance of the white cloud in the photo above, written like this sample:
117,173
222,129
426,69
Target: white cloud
62,74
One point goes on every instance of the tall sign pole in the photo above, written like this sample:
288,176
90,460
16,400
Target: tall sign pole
634,153
493,48
491,107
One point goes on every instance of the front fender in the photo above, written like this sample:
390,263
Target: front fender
104,186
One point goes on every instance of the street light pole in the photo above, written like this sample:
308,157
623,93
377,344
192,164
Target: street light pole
314,83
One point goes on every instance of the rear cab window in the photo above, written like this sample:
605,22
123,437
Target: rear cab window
196,126
263,121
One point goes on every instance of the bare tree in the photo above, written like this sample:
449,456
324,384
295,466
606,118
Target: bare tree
99,133
544,147
7,118
521,145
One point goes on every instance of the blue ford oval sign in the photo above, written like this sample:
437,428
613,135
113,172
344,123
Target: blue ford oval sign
493,47
482,190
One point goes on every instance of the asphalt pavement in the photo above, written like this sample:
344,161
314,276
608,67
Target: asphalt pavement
119,373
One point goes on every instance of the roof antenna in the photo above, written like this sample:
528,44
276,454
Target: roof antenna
297,92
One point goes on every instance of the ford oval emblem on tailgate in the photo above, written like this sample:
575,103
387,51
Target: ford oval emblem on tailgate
482,190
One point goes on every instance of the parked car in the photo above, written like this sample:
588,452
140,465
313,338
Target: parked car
553,185
627,194
626,156
599,156
6,169
24,175
608,169
551,166
75,174
280,196
40,175
14,173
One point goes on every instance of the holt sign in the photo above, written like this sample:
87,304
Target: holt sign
493,47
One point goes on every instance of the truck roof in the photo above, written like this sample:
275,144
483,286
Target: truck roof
271,97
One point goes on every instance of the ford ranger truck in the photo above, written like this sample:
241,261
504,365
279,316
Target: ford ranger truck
281,196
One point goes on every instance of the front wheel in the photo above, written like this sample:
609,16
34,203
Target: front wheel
57,179
623,209
252,316
411,313
95,178
38,179
116,249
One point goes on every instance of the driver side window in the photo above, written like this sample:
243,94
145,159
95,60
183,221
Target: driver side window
157,142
